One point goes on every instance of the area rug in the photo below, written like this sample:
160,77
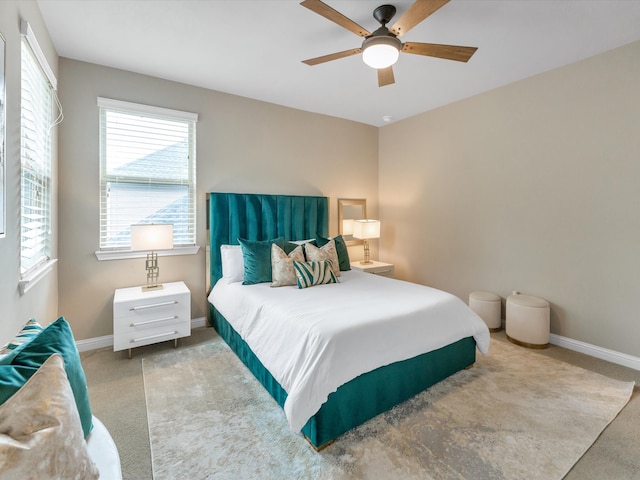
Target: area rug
514,415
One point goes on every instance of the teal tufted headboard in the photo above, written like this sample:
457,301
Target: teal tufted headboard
260,217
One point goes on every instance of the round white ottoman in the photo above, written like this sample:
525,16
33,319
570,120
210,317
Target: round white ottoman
527,321
488,307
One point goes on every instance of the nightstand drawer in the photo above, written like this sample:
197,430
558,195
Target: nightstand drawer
377,268
137,337
139,321
138,311
385,271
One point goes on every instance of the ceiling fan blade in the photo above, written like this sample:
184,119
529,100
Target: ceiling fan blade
417,12
332,56
329,13
448,52
385,76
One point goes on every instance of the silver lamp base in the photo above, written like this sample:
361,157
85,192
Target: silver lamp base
153,271
366,260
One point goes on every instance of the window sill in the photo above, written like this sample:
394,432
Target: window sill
102,255
27,282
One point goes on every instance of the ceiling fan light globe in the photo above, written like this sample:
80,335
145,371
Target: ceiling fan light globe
380,56
381,52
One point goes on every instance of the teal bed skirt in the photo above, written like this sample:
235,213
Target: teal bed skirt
365,396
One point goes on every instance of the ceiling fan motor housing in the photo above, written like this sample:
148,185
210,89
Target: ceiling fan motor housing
384,13
383,41
387,38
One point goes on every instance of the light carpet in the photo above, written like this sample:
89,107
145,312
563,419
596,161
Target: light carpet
514,415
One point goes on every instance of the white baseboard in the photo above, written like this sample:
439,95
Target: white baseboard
199,322
597,352
107,340
94,343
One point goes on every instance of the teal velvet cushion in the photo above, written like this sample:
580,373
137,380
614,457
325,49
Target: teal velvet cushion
314,273
12,378
257,259
341,249
17,367
290,247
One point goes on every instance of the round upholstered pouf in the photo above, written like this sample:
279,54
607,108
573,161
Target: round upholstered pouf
488,307
527,321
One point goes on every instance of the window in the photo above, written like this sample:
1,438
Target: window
35,151
147,166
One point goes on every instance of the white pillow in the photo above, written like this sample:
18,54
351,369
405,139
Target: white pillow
232,263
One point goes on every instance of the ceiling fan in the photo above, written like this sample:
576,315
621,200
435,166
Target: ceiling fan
381,49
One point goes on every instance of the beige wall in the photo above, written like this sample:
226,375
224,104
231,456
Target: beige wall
243,145
532,187
41,301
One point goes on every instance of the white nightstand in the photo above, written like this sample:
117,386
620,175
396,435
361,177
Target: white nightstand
379,268
142,317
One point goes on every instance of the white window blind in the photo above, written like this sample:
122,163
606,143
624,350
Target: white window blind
35,152
147,164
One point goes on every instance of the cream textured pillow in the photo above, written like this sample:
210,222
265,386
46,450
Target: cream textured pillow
282,270
40,431
326,252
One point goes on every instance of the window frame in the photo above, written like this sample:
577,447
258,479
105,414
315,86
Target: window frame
38,167
106,252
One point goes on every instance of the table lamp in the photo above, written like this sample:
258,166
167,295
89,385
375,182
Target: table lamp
366,229
152,237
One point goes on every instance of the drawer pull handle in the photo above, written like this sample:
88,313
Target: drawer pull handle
147,322
153,305
151,337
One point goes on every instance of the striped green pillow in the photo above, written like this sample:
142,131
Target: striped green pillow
30,330
309,274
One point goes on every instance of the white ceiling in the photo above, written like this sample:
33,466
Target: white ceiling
254,48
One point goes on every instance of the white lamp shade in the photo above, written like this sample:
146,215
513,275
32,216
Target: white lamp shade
366,229
347,226
152,237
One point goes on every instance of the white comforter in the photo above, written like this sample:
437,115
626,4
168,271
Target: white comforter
316,339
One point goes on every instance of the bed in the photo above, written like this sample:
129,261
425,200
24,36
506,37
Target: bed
329,381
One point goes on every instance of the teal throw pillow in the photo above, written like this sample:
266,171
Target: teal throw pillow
257,259
314,273
26,359
341,250
290,247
